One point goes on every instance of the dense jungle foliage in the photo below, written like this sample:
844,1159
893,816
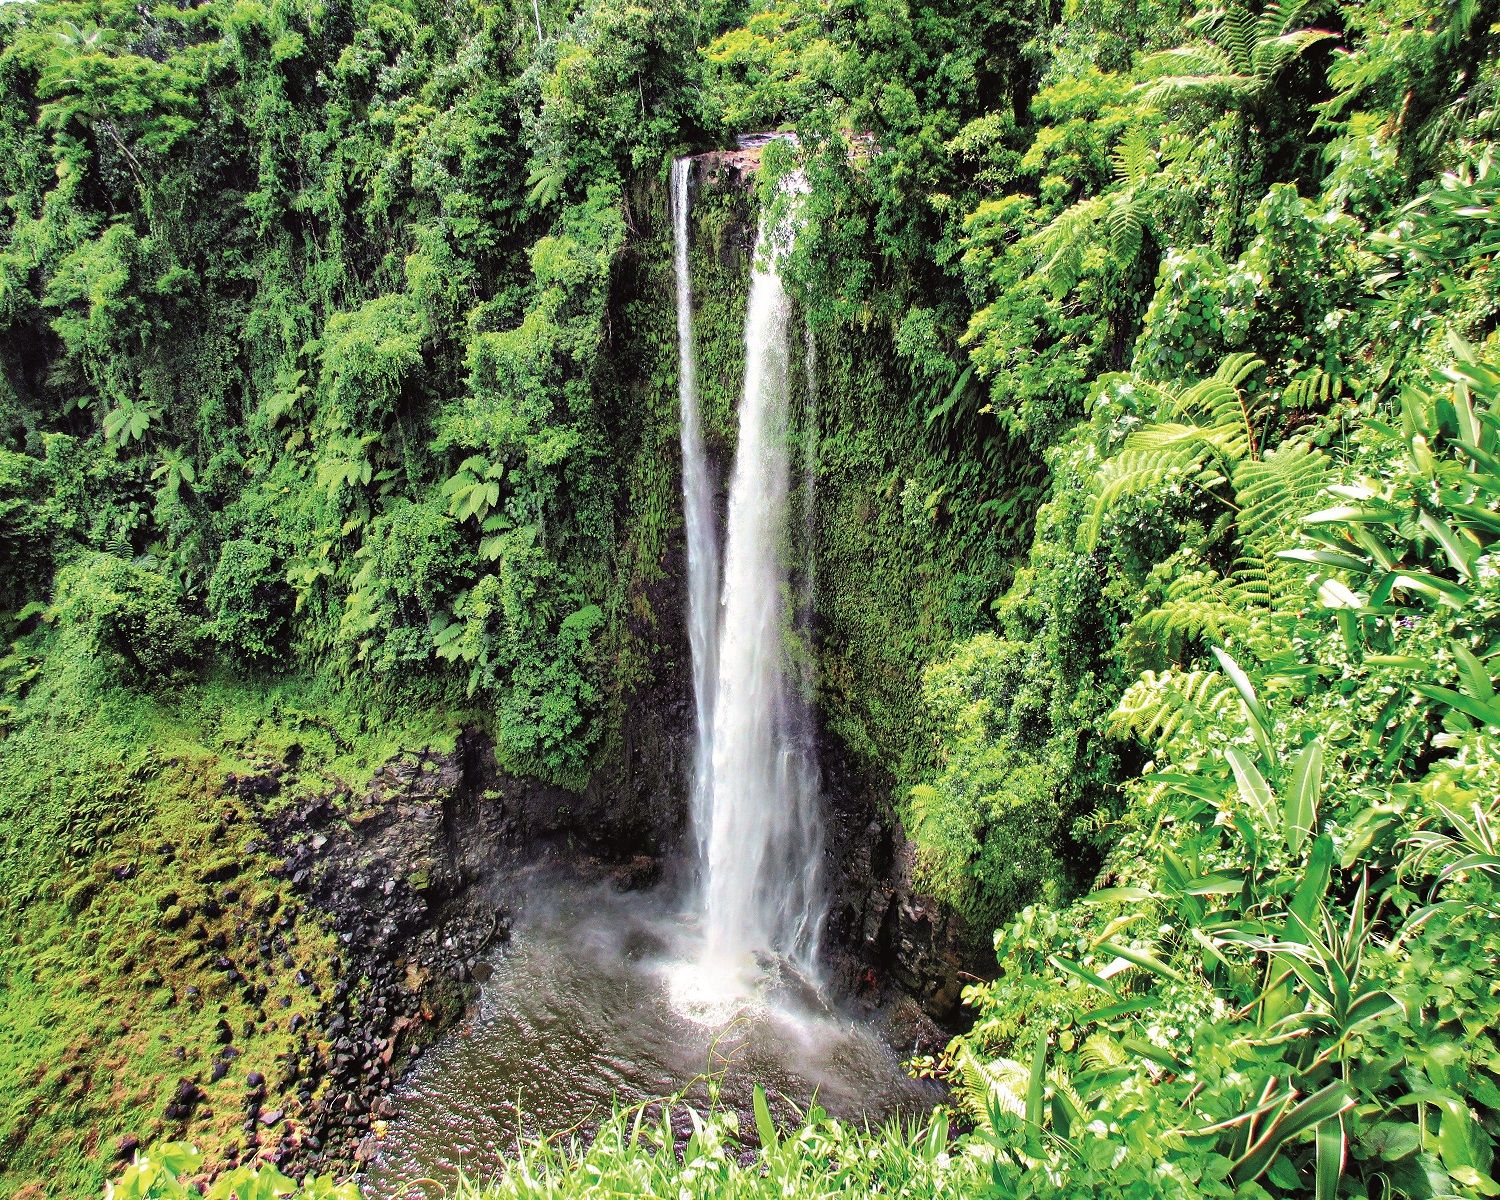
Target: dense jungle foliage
1159,463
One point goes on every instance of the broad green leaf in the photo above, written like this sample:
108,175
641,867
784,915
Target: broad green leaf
1487,713
1327,558
1078,971
1460,558
1220,884
764,1126
1476,676
1335,594
1308,898
1119,895
1252,784
1302,795
1038,1080
1260,726
1143,959
1331,1146
1323,1105
1457,1137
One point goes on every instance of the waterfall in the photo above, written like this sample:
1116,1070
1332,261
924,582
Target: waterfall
762,887
698,517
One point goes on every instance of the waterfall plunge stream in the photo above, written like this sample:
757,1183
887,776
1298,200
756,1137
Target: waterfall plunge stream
698,518
755,801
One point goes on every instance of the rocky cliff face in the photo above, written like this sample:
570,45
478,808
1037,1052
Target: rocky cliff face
421,872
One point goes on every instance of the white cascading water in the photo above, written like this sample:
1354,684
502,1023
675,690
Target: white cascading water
762,887
698,517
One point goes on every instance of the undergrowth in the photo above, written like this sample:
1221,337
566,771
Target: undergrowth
128,870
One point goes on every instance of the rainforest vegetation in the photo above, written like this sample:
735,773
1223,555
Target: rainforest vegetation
1159,464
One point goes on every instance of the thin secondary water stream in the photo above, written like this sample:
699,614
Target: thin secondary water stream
580,1015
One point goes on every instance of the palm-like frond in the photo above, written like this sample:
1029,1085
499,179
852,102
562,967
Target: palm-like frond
1134,158
1064,239
1239,50
1198,605
1312,389
1159,708
1122,211
1210,421
1126,222
1274,492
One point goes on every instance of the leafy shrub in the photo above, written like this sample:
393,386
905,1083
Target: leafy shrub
25,532
250,602
130,616
165,1173
411,560
637,1153
992,824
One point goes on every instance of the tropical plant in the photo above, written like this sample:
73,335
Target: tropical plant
1241,51
165,1172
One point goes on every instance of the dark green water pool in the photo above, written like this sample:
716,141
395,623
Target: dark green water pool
595,1001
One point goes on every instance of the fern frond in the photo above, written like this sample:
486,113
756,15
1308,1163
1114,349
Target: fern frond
1126,227
1062,241
1159,708
1163,88
546,184
1274,492
1238,31
1134,158
1218,405
1197,605
1273,55
1237,368
1313,388
1460,21
1154,456
1101,1052
1000,1082
1255,584
1199,61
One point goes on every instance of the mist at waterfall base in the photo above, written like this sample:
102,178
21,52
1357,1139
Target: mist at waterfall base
610,999
579,1016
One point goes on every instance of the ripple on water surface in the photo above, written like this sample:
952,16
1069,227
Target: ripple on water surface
598,998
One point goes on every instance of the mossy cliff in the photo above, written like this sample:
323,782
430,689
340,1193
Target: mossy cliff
202,872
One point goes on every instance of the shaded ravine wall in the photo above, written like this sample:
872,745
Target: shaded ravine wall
420,872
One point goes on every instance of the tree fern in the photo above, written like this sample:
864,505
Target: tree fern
1273,494
1123,211
997,1083
1064,239
1312,389
1198,605
1239,51
1211,420
1160,708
